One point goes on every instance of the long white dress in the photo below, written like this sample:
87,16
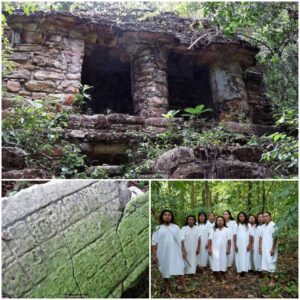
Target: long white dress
191,237
168,241
219,240
268,262
230,258
203,255
251,258
242,257
210,228
255,255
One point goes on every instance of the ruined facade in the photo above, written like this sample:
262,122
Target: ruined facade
142,68
138,68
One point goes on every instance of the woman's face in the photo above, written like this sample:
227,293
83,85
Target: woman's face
260,219
226,216
191,221
252,220
202,218
242,218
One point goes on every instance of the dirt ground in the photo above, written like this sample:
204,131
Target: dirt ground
249,286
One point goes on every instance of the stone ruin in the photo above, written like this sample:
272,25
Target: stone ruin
83,239
139,69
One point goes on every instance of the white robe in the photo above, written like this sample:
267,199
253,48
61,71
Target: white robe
191,237
168,241
211,227
268,262
230,258
242,257
219,240
256,257
203,255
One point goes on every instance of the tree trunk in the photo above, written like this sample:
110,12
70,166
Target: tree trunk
249,199
193,195
264,200
207,195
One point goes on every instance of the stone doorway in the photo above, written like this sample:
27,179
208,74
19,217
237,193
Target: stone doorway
188,82
110,77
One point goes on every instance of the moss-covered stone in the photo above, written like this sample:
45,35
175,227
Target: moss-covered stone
95,253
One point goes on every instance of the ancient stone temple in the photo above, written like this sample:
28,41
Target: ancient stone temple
138,68
142,68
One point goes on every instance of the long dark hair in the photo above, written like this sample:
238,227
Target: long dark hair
189,216
238,216
204,214
230,215
161,216
216,225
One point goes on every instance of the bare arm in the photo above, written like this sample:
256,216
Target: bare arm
209,244
235,245
183,249
273,246
198,246
228,247
154,254
259,245
249,247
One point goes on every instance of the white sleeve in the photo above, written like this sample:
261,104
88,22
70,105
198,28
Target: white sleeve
251,230
235,229
274,228
211,234
155,238
181,235
228,235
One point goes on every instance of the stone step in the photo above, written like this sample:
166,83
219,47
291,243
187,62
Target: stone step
117,121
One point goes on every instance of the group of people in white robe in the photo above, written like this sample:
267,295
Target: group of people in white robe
249,244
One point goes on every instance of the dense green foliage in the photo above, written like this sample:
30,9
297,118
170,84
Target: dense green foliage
191,197
37,128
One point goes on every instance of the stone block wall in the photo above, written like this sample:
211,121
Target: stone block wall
47,64
49,50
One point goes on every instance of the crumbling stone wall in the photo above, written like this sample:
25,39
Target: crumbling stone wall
81,238
49,49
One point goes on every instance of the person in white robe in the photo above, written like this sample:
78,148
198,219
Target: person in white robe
255,248
168,250
252,227
192,244
231,224
268,247
242,239
219,244
204,229
211,225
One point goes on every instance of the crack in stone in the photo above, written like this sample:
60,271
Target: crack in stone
72,263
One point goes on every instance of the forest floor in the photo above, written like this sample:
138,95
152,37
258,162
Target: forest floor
249,286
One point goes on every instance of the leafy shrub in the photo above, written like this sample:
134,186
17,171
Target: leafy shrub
37,128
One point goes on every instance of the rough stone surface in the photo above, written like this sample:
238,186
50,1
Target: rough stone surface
24,174
13,86
13,157
50,48
84,238
198,162
40,86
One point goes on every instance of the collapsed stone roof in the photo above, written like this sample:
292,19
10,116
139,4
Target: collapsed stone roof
165,26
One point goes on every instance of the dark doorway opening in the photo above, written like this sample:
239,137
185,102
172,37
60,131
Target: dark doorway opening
188,82
110,78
